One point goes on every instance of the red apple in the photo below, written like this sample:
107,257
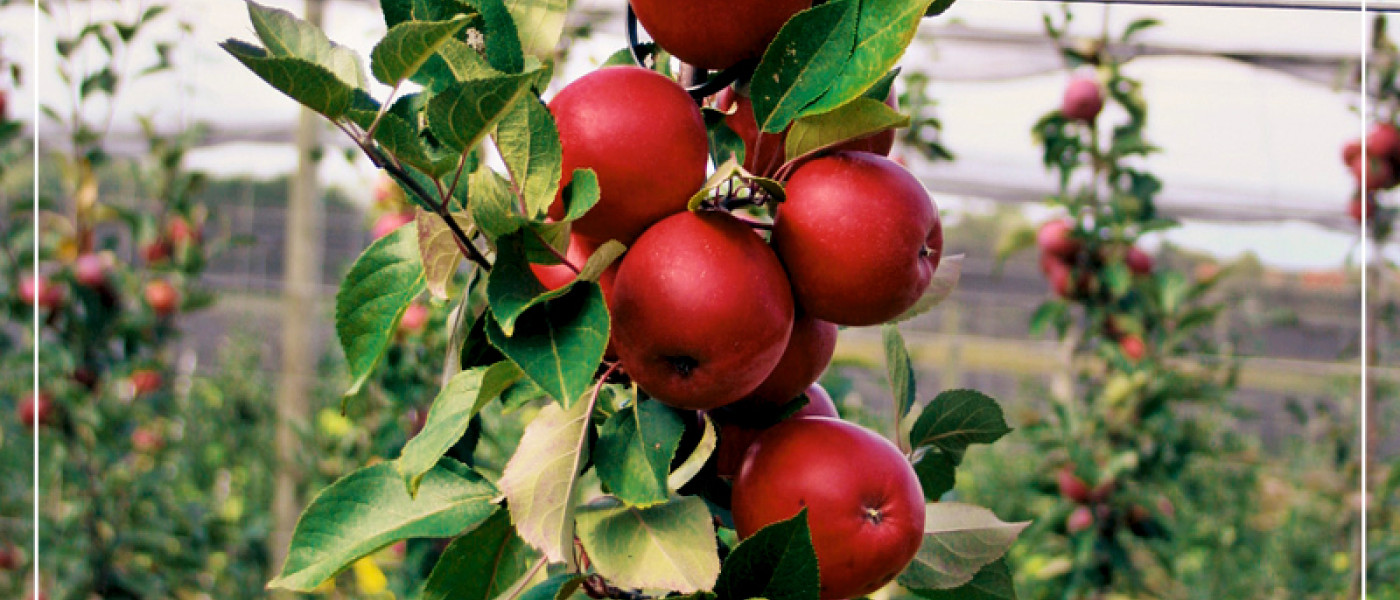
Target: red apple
1083,99
1080,520
1350,151
414,318
715,34
389,222
38,289
1378,173
1071,486
864,505
146,440
1132,347
1056,238
10,556
90,270
766,159
180,232
145,381
156,251
809,351
859,236
1139,262
734,439
1383,141
701,310
554,277
35,409
162,297
644,138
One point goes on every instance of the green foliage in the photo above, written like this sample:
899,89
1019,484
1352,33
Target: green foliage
777,562
373,297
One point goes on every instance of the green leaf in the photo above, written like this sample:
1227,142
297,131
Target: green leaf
541,24
1138,26
581,194
308,83
800,64
726,170
461,115
899,369
937,472
492,204
398,11
502,40
559,343
287,36
529,144
956,419
540,479
1049,313
481,565
1118,279
600,260
959,540
384,279
993,582
856,119
455,61
438,250
634,451
408,45
668,546
885,31
944,281
405,141
558,587
460,400
370,509
777,562
705,448
938,7
513,287
725,144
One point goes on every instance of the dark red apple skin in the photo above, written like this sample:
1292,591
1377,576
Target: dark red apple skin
864,505
644,138
35,409
1383,141
1083,100
1139,262
734,439
809,351
774,147
1056,238
145,381
859,236
162,297
701,310
1071,486
715,34
1378,173
1350,151
554,277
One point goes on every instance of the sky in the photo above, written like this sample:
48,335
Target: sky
1232,134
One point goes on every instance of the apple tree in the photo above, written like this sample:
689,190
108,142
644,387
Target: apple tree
627,290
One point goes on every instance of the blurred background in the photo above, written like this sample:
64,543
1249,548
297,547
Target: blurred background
174,469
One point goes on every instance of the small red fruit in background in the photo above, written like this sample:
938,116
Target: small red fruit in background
864,505
35,409
1378,172
1056,238
1383,141
10,557
145,381
1071,486
1083,99
90,270
1355,207
1080,520
38,289
388,223
859,236
1351,151
146,440
715,34
701,310
4,109
162,297
1139,262
1132,347
156,251
648,162
181,233
414,319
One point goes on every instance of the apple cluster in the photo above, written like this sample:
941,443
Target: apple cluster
718,312
1071,268
1374,169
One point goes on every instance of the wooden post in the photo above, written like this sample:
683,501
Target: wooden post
301,280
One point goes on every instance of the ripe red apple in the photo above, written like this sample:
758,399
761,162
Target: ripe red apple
1350,151
1132,347
414,318
715,34
39,289
10,555
766,159
864,504
1139,262
146,440
859,236
1383,141
1056,238
156,251
163,298
145,381
809,351
1062,279
1071,486
389,222
1378,173
90,270
734,439
1083,99
35,409
180,232
1080,520
701,310
580,249
644,138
